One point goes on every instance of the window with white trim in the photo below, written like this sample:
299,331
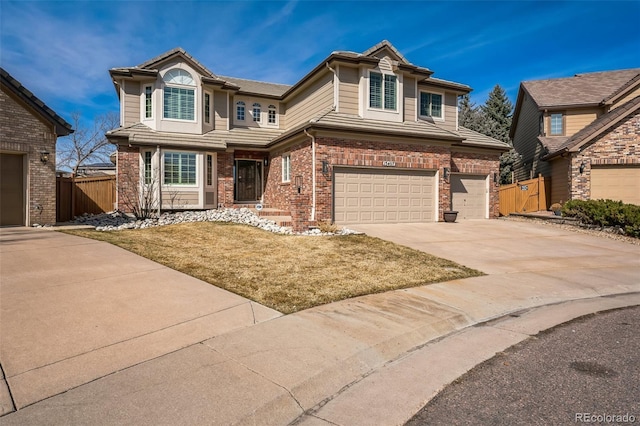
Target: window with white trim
179,101
272,114
286,167
179,168
256,112
240,111
207,108
430,104
148,102
383,91
147,167
556,128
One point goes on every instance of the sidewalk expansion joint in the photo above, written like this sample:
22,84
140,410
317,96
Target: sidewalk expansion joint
6,381
129,340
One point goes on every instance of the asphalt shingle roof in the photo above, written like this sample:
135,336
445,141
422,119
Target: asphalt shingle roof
581,89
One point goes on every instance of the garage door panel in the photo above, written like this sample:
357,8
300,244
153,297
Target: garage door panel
469,196
620,183
396,196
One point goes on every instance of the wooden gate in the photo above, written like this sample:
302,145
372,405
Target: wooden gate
525,197
76,196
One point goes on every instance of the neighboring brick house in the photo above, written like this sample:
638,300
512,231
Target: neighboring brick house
582,132
362,138
28,133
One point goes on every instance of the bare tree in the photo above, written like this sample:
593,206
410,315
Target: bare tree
86,144
139,198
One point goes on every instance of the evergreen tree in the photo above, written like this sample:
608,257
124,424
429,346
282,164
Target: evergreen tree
497,112
492,119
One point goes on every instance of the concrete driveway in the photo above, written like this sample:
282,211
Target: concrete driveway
73,310
375,359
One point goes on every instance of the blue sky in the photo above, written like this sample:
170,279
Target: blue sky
62,50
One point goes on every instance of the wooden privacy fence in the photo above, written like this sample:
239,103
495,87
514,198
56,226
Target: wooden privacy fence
527,196
75,196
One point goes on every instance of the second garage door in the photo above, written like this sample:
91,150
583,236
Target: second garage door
619,183
469,196
383,196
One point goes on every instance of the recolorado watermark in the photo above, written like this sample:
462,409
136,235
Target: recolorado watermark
604,418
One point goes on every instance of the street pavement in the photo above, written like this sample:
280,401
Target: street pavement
583,371
375,359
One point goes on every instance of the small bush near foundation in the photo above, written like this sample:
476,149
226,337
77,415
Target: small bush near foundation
329,227
605,213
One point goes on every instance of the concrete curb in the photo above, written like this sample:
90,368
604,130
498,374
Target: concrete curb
422,373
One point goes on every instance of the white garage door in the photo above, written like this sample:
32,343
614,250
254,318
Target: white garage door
383,196
469,196
617,183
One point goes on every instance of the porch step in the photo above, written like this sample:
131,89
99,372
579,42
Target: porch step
267,211
280,220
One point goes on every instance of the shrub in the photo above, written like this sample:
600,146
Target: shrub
327,227
605,213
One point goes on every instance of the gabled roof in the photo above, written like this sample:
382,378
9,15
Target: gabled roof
178,51
580,90
62,128
385,44
597,128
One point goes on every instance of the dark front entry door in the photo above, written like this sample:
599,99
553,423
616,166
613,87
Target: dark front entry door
12,194
248,180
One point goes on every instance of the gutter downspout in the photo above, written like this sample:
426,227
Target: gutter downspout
313,175
158,177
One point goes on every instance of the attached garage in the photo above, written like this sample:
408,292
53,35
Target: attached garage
469,196
384,196
616,183
12,194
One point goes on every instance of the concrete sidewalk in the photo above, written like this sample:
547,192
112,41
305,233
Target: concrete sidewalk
367,360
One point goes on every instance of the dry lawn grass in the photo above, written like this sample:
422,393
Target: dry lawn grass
286,273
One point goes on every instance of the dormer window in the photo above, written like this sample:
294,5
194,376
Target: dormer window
256,112
431,105
272,114
240,111
179,101
383,91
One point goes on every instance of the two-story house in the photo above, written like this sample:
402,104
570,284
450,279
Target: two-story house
583,132
362,138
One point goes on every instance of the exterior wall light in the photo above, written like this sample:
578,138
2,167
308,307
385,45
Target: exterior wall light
496,179
266,162
44,156
447,174
582,166
325,167
298,182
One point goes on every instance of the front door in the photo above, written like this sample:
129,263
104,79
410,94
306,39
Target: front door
248,180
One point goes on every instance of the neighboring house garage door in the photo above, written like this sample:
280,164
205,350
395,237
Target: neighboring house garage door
616,183
383,196
12,197
469,196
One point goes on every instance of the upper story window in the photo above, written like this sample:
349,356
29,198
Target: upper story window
430,105
272,114
256,112
240,111
207,108
148,102
179,101
383,91
556,128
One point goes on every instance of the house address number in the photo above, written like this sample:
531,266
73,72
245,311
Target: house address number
389,163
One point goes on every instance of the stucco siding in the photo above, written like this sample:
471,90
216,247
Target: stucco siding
310,101
131,102
348,90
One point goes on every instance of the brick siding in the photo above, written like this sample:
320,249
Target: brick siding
128,177
619,146
22,132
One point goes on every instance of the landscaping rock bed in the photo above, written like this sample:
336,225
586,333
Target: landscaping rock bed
116,221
